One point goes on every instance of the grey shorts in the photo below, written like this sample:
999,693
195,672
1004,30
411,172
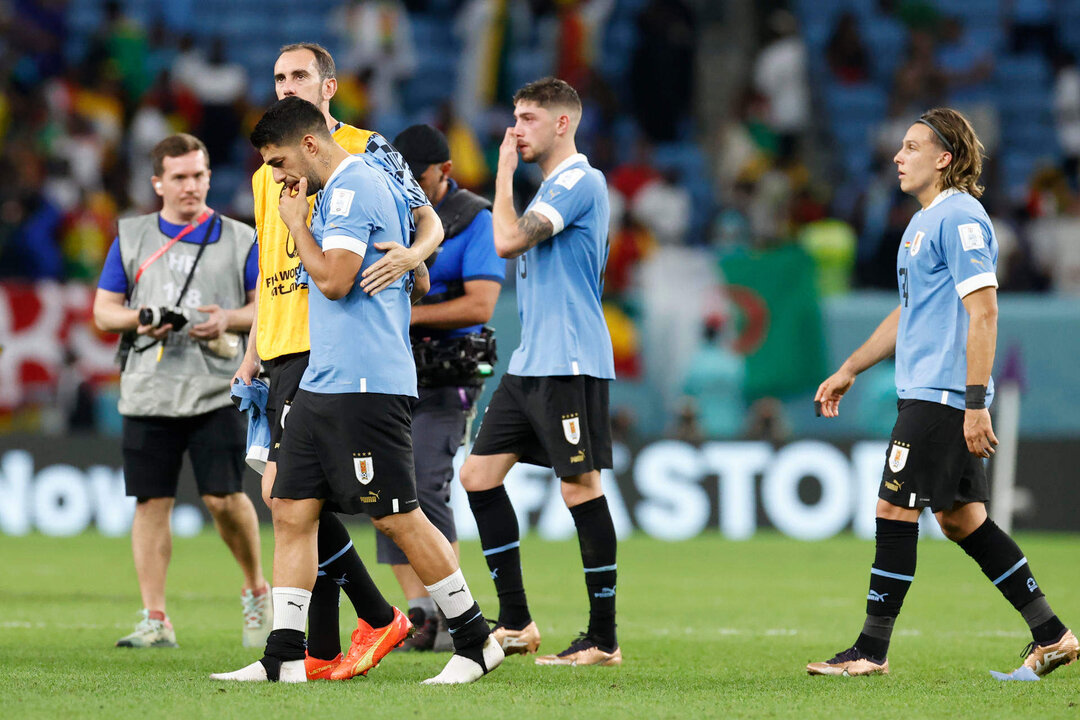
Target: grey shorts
438,427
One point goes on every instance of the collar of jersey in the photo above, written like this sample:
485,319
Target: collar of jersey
344,164
946,193
572,160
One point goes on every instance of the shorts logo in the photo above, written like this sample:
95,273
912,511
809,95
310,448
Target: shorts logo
580,457
571,428
898,455
916,244
364,465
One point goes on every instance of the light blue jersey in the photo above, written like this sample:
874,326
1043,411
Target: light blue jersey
948,251
559,282
360,343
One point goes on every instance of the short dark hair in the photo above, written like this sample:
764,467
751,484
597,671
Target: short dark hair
288,120
323,60
549,91
175,146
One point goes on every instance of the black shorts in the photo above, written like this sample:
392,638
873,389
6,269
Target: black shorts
559,422
154,450
284,374
438,430
353,450
928,463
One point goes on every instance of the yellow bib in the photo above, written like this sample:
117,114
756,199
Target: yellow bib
283,307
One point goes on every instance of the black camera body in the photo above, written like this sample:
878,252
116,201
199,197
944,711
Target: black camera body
462,361
158,316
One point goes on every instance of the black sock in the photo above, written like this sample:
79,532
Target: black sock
1004,564
500,538
282,646
338,559
469,630
324,630
896,551
596,536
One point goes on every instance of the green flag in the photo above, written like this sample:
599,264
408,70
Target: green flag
778,321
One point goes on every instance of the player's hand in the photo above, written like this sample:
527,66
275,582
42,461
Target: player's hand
157,333
829,392
293,205
979,433
213,326
247,370
397,261
508,154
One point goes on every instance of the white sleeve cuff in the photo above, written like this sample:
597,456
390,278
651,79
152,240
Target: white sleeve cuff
976,282
542,208
344,242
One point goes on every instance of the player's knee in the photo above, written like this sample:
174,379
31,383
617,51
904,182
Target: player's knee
289,520
218,505
470,476
953,528
576,494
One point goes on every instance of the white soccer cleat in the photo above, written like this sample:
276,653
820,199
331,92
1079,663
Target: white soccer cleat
292,671
460,669
258,617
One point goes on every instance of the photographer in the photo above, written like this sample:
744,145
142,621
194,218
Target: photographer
453,351
179,286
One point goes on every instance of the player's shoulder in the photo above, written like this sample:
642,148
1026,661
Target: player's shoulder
578,175
963,208
353,139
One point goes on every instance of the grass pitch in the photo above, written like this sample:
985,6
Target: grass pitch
708,627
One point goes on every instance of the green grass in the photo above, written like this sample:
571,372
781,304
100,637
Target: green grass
709,628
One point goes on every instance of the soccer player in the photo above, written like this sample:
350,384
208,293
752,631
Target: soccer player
943,334
551,408
347,442
279,337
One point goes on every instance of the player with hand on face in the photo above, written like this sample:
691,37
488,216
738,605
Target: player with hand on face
347,443
551,408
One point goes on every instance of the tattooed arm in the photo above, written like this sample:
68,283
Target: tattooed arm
513,235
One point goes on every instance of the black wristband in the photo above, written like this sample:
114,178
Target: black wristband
975,397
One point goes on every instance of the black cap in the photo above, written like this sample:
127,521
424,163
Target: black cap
422,145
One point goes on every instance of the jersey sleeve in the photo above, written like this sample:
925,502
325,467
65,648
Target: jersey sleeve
480,261
113,278
570,195
350,217
391,160
966,250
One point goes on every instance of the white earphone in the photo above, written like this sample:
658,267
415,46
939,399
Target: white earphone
157,185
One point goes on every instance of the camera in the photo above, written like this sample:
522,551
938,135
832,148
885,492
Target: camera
158,316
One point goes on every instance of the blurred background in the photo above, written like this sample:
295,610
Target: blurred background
755,218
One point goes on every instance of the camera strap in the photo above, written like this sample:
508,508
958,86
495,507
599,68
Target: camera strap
179,236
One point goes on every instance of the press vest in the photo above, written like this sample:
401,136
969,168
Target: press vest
188,379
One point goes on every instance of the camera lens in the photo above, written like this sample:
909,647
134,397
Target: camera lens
149,316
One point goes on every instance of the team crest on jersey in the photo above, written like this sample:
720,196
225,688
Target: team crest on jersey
898,455
364,465
571,428
916,244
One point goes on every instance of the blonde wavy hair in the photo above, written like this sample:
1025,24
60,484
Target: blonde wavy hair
952,128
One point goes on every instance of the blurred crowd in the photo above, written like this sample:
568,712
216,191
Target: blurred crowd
782,166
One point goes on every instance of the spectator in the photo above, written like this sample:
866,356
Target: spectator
1067,114
846,52
780,75
662,68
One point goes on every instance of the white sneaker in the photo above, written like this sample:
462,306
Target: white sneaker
150,633
461,669
258,617
292,671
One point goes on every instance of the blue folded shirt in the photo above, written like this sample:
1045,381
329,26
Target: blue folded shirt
251,399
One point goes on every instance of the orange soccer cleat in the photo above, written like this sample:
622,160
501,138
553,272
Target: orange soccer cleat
320,669
370,645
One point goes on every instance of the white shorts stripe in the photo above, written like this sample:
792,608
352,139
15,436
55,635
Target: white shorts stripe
363,384
394,504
